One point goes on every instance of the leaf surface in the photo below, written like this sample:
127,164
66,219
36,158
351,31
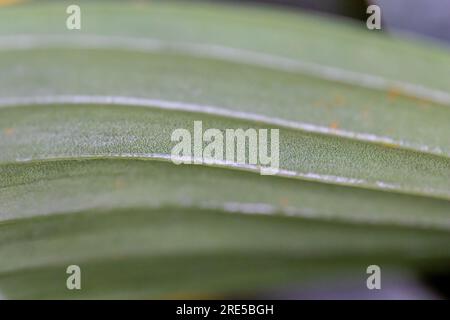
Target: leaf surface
86,178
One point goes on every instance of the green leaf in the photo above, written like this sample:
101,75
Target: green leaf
86,119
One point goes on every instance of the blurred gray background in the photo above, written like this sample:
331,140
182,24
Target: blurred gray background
430,18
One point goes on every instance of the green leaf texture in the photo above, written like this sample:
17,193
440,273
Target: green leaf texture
86,178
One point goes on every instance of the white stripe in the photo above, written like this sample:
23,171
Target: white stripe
213,110
306,213
25,42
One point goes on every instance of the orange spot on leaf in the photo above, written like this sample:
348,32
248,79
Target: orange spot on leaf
334,125
8,131
284,201
339,100
9,2
318,104
119,183
393,93
365,114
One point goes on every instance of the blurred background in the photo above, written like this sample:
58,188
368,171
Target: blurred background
428,18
